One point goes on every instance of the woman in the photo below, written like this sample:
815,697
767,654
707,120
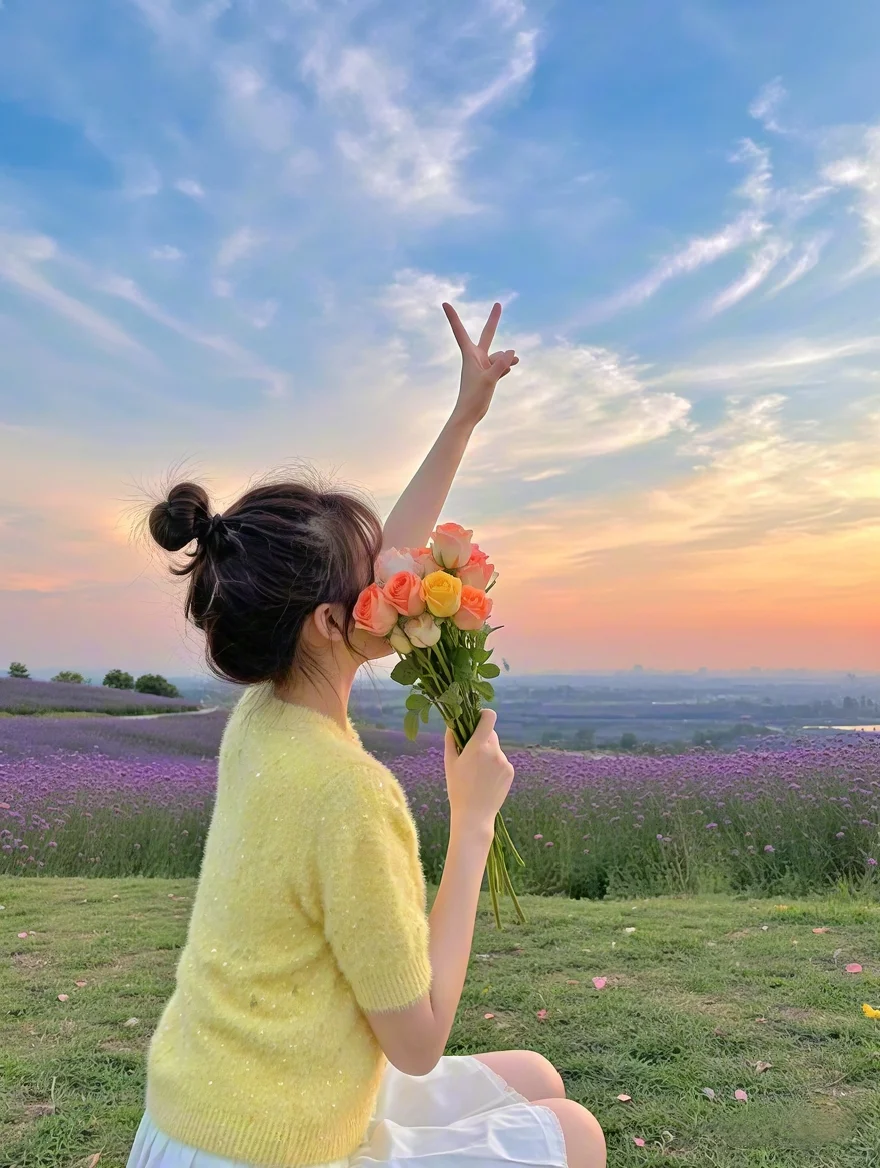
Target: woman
314,998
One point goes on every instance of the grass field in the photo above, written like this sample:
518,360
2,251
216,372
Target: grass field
698,992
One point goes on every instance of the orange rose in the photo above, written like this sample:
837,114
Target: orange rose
477,571
474,609
425,562
374,613
404,591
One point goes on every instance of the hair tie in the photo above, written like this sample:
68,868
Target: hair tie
206,529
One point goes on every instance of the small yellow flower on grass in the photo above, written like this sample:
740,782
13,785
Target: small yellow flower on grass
870,1012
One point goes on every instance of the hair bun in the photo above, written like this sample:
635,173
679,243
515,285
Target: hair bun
180,518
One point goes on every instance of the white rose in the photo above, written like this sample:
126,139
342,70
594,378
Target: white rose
423,631
391,561
400,641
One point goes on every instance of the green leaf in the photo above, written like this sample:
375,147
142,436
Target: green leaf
416,701
461,663
411,726
482,655
426,712
485,690
405,672
489,670
452,696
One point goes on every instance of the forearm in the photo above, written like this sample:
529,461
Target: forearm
416,512
452,922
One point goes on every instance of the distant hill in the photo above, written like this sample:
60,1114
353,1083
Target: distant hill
28,696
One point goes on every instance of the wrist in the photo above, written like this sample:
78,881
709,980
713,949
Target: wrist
462,420
471,832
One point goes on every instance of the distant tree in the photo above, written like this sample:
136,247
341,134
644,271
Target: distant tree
850,703
16,669
155,683
118,679
628,741
69,675
584,738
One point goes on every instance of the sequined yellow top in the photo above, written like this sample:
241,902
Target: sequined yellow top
310,911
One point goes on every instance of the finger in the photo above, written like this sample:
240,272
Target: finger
502,362
450,750
458,329
485,727
487,336
515,361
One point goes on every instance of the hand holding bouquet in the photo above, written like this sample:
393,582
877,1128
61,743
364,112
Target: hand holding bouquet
433,606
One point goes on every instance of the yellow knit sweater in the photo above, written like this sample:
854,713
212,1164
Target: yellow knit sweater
310,911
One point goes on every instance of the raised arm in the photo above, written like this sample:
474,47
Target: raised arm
416,512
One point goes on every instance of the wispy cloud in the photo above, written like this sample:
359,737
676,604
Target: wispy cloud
763,263
166,251
20,260
190,187
765,107
784,361
805,262
862,173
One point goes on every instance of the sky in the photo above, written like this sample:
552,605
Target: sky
226,228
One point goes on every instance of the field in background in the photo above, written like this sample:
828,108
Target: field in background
699,994
24,696
116,798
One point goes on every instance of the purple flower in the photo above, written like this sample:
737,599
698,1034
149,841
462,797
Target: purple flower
769,848
839,835
871,862
539,836
711,826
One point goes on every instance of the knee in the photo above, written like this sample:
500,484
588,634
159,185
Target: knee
583,1135
546,1080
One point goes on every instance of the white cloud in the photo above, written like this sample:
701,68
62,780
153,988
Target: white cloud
19,257
562,404
190,188
262,315
236,246
807,260
766,105
763,263
862,173
785,361
166,251
405,150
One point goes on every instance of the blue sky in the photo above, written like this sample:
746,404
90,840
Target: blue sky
226,227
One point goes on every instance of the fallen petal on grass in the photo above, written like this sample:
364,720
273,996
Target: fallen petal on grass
81,984
870,1012
131,1022
541,1015
638,1141
624,1098
741,1095
92,1161
822,930
22,936
600,982
63,998
708,1092
631,929
761,1067
488,1017
853,967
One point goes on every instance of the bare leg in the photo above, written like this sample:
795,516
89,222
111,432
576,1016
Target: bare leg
527,1072
584,1141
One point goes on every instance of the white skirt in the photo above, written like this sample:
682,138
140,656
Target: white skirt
461,1115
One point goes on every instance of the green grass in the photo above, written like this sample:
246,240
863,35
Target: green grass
696,996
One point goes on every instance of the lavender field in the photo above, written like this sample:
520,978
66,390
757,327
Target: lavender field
25,696
104,797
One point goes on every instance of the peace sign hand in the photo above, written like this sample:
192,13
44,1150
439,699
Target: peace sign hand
480,370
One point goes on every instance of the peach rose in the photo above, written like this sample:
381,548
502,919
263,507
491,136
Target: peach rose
474,610
392,561
422,631
425,562
442,593
374,613
404,591
452,545
477,572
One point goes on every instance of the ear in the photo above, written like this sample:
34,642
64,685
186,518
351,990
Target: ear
327,622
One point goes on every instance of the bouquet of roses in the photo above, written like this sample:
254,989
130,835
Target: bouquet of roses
432,604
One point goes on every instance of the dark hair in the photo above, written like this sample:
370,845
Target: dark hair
262,567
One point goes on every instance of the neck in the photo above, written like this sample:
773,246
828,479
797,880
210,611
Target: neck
326,693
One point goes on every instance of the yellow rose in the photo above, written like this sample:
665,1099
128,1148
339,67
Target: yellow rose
442,593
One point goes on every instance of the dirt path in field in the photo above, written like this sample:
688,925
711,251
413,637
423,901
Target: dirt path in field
172,714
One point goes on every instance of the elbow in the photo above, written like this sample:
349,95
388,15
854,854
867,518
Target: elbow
415,1063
